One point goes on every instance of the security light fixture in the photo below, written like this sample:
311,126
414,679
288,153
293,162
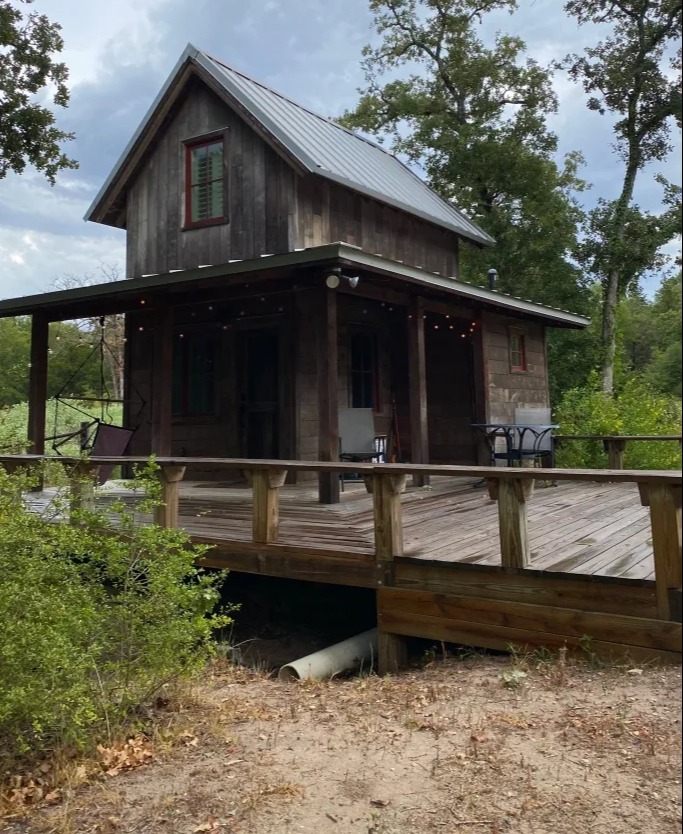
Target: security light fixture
334,277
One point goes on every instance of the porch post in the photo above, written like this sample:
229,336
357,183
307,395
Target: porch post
417,380
328,400
37,386
162,381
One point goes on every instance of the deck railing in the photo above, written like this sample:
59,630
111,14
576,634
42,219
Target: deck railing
615,444
511,488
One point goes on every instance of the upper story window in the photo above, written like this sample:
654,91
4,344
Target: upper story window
517,343
363,370
205,192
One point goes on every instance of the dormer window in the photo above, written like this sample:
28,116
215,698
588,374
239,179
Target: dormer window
205,191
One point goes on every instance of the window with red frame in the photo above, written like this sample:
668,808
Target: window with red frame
205,179
517,351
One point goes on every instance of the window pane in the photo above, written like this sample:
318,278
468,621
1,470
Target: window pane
215,200
199,165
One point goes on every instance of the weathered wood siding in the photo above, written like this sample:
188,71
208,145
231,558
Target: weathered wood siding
507,390
327,212
260,199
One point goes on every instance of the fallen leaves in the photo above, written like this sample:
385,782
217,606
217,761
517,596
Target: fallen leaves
125,755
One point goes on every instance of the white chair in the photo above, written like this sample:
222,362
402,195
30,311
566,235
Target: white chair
536,445
358,441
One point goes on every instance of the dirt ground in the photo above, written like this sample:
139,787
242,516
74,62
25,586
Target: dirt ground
482,745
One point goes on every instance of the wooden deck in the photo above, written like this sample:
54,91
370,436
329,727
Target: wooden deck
515,561
574,527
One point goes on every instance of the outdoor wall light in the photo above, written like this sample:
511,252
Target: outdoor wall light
334,278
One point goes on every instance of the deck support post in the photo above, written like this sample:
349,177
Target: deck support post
82,479
664,501
386,490
170,476
512,495
386,493
417,382
615,448
328,399
266,484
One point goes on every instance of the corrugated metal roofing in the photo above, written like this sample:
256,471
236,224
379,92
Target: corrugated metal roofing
318,144
332,151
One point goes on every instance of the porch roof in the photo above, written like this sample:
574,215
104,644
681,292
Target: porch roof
117,296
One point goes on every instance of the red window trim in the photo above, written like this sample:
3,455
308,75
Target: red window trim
190,146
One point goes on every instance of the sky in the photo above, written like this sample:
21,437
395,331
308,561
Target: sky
120,53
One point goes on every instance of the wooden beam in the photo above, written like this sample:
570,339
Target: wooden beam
386,493
392,652
417,382
664,501
328,401
82,479
166,514
512,520
37,387
615,448
266,485
162,382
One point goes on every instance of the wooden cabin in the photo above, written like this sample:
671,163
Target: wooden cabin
281,268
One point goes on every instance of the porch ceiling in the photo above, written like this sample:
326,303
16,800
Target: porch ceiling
126,295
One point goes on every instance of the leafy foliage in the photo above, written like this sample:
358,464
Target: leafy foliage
635,75
97,615
27,70
474,117
636,410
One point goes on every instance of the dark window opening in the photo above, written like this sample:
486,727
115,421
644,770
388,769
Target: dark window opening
363,371
194,373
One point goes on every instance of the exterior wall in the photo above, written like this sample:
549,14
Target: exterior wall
505,389
271,208
327,212
260,195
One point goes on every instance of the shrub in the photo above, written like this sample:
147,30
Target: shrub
636,410
97,615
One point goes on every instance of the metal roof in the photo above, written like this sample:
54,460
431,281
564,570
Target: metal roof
331,253
320,146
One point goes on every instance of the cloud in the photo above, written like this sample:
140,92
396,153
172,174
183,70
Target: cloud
120,53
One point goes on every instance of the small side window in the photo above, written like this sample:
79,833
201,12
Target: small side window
517,343
205,197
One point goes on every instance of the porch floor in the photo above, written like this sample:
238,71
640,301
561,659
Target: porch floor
575,527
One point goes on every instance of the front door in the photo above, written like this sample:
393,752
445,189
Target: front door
260,393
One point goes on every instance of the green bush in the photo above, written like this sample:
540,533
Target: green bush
97,616
636,410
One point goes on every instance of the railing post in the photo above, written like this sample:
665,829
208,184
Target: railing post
386,501
615,448
170,476
386,490
512,495
265,484
664,501
82,487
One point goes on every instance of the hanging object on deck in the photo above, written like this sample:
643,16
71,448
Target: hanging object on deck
96,434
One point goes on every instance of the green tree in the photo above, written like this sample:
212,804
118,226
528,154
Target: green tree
633,75
664,370
474,117
28,134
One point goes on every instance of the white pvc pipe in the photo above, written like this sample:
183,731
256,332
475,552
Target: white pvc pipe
349,654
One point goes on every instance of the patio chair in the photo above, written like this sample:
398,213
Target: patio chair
358,441
533,445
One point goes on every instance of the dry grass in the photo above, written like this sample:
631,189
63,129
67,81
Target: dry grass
449,748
